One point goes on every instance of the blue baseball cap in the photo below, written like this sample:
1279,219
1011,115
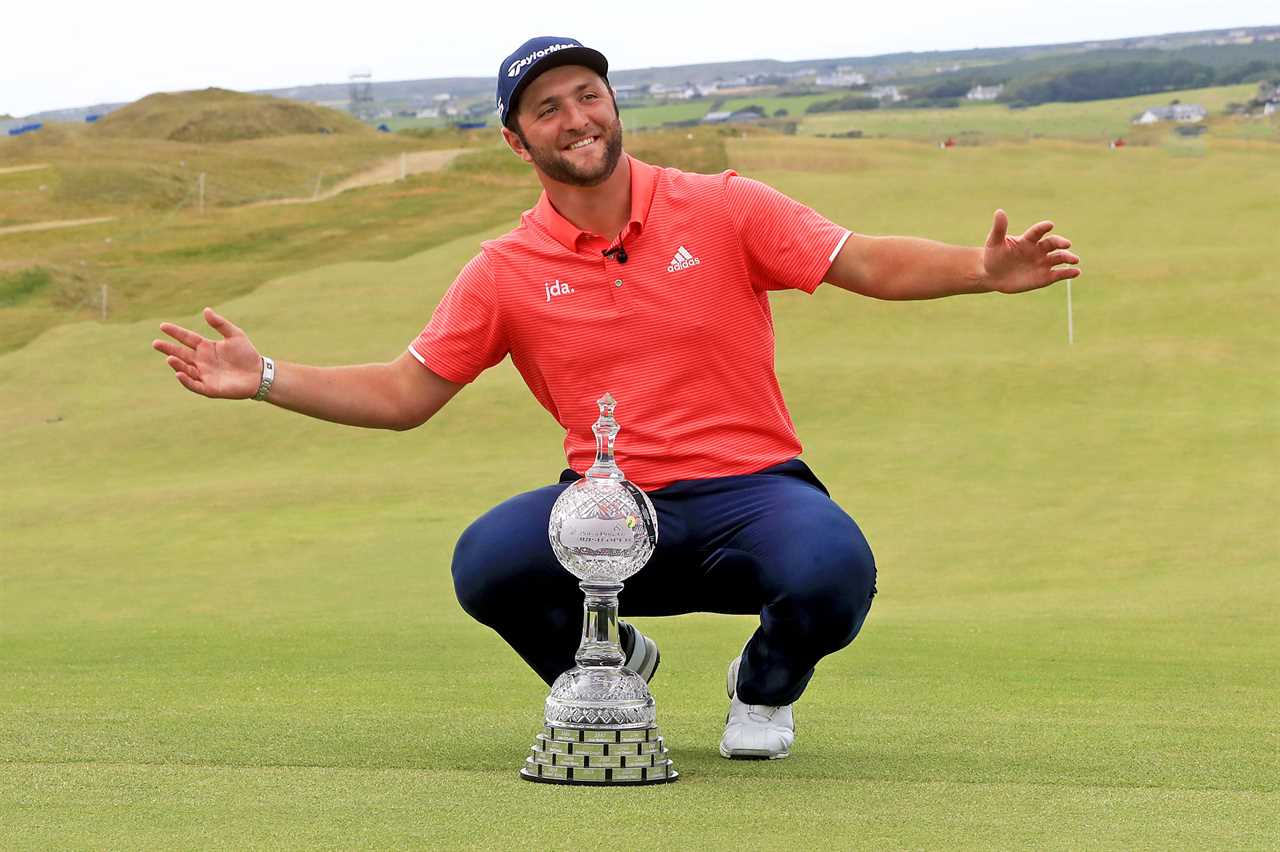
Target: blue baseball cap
535,56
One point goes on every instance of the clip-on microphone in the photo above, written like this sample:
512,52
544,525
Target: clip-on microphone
618,250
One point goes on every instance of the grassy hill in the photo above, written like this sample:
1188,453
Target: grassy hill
162,255
227,625
219,115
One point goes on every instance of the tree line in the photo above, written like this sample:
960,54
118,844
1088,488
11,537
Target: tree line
1126,79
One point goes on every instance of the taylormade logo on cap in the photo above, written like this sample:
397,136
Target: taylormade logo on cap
537,54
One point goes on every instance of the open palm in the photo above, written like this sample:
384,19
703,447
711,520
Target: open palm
1028,262
230,368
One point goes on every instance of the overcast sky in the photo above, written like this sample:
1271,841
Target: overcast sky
77,53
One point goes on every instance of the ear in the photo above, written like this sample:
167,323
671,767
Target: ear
613,96
516,146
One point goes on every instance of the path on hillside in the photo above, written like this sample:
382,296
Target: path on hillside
8,170
387,171
54,223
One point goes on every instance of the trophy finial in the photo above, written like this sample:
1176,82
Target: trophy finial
606,430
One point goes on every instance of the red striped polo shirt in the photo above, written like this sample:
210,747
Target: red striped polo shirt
680,334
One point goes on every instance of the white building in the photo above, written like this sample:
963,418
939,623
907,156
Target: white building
681,92
1185,113
844,77
628,91
887,93
984,93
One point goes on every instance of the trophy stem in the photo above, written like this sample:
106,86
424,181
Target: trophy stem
600,645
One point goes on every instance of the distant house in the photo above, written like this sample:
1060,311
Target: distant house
681,92
1269,96
984,93
428,112
1173,112
627,92
739,117
887,93
843,78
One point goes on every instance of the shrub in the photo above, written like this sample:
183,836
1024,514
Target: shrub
850,102
1112,80
19,286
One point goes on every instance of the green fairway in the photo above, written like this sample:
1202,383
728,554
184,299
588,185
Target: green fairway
224,625
658,114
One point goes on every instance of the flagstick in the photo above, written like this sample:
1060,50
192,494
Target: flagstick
1071,331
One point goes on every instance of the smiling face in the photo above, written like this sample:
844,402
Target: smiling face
568,126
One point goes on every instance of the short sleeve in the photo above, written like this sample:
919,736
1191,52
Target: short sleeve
465,336
786,244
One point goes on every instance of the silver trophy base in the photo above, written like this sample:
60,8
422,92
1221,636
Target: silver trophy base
599,757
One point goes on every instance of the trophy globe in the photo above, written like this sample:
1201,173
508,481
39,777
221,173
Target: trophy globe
600,717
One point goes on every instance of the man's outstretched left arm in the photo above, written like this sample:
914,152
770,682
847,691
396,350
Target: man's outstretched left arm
910,268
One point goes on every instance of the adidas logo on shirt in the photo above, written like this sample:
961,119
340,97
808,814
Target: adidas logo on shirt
682,260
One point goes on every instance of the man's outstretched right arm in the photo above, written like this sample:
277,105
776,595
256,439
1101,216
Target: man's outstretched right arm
398,395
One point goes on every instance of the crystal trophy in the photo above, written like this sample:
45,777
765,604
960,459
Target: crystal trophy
600,726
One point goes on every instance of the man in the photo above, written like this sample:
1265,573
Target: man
651,284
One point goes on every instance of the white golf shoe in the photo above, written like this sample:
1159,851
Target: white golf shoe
755,731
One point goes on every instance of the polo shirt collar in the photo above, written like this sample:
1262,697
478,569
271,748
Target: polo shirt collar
644,179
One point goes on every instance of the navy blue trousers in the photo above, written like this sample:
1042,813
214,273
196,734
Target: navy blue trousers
771,543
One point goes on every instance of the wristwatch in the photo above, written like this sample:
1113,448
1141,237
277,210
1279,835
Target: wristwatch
268,376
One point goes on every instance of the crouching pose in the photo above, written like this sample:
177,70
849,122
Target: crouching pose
675,269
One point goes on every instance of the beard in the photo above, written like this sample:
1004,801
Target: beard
556,165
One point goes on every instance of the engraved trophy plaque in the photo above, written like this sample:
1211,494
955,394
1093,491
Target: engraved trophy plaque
600,726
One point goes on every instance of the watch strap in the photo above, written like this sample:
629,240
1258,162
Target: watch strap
268,376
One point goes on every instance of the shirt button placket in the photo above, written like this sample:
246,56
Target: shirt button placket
614,284
619,293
